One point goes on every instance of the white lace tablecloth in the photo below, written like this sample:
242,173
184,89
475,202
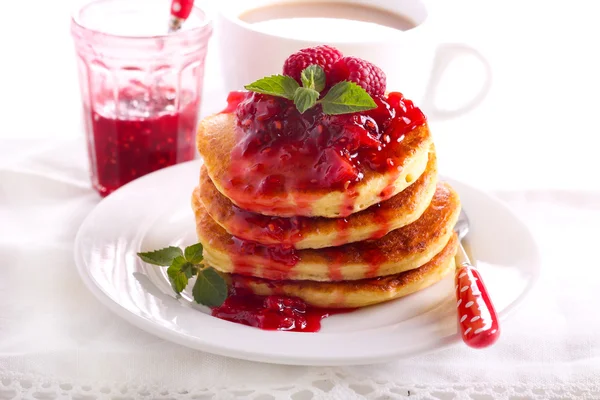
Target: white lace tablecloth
534,142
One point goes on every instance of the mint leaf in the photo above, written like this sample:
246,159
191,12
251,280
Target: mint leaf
275,85
178,275
313,77
189,269
210,288
178,279
346,97
193,253
163,257
305,98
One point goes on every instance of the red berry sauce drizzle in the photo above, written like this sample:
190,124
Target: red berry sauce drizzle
124,143
281,258
277,261
279,150
272,312
288,231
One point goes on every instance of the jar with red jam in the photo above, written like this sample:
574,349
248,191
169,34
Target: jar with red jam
140,86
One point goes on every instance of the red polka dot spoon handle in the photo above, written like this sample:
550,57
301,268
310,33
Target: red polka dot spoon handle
477,318
180,11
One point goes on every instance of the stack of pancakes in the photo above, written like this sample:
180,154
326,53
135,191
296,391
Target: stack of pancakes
393,238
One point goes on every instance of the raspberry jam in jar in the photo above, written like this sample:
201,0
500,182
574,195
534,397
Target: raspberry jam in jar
126,143
140,87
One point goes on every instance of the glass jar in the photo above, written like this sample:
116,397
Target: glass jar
140,86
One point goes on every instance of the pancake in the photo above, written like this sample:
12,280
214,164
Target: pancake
315,233
360,293
401,250
217,136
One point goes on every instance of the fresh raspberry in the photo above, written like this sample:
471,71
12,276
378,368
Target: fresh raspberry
361,72
324,56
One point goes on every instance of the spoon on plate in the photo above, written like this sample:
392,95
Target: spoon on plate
477,319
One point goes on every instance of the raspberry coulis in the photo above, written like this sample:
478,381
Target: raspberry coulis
280,259
277,261
288,231
373,256
266,229
279,150
272,312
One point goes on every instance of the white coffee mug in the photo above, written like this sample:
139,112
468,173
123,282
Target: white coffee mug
413,60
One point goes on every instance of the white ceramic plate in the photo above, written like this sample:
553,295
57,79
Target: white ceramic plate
154,211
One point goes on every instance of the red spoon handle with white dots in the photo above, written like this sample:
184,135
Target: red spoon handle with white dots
180,11
477,317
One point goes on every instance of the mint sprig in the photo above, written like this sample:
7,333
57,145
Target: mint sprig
343,98
275,85
305,98
179,272
163,257
210,288
313,77
346,97
193,253
207,289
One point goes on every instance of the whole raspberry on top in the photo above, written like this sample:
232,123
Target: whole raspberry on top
324,56
361,72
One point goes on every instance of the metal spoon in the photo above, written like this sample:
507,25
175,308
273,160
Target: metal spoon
477,319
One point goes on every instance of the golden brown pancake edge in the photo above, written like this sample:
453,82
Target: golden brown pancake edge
359,293
216,136
405,248
318,232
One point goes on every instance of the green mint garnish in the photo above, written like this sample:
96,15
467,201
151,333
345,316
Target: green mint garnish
163,257
275,85
178,273
210,288
343,98
313,77
305,98
193,253
346,97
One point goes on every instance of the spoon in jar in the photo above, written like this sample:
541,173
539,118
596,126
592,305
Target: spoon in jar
180,11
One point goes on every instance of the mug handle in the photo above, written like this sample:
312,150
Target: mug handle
444,56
